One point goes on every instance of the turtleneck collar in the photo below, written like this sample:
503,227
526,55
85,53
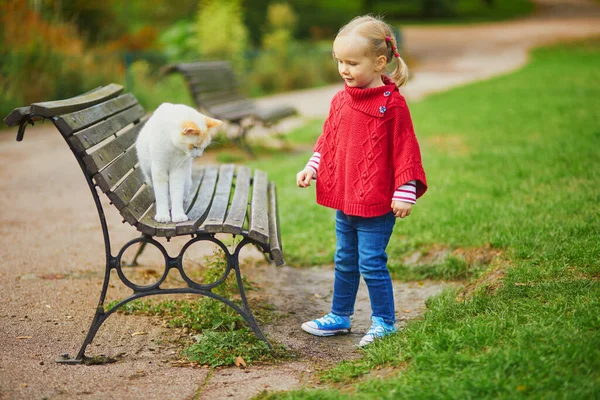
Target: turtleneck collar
372,101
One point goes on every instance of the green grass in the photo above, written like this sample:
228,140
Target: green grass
221,334
513,164
463,12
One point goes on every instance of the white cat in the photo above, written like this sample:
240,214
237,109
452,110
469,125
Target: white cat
166,146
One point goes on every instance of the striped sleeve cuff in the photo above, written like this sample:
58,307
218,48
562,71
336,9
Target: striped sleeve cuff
313,163
406,192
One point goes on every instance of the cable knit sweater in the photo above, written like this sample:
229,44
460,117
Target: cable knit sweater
368,149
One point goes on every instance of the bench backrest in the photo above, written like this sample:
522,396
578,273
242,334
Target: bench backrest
215,89
103,137
101,127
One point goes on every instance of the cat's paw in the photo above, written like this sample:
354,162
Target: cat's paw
179,217
161,217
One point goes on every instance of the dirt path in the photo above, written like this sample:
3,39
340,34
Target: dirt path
52,249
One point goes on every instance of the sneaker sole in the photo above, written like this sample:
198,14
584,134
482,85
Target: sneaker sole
321,332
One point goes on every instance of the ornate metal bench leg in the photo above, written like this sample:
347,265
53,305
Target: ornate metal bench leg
247,315
99,318
139,252
97,321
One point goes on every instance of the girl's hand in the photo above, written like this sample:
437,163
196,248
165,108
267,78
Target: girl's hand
304,177
401,209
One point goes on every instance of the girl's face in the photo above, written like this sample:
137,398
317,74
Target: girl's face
356,67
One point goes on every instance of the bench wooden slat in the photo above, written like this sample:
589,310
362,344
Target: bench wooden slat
73,122
109,176
199,66
275,114
138,206
259,222
18,114
123,194
274,234
215,83
239,203
209,99
197,175
165,229
220,202
199,210
97,160
95,134
148,225
58,107
238,105
234,111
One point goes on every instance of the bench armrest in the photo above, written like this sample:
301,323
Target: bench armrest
48,109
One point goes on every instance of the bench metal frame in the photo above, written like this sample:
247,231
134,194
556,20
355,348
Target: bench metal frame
28,115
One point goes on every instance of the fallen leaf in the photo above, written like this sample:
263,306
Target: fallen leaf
521,388
24,337
239,362
406,311
139,333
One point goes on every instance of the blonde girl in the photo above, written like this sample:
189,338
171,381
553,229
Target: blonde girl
369,169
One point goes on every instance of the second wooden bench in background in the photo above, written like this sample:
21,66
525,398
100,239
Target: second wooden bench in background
215,90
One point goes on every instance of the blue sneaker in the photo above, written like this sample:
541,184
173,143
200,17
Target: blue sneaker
377,330
329,325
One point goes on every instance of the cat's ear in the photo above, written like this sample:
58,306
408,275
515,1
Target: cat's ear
213,123
190,131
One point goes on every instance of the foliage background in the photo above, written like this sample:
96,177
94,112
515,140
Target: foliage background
52,49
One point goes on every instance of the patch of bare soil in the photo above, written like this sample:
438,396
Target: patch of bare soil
300,295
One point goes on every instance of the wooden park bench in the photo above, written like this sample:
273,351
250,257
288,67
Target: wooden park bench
215,89
100,127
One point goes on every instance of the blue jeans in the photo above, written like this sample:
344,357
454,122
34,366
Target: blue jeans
360,250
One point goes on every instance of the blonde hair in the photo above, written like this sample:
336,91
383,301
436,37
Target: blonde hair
375,30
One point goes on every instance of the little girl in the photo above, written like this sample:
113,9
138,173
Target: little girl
369,169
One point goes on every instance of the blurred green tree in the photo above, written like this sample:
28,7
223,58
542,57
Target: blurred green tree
97,21
221,31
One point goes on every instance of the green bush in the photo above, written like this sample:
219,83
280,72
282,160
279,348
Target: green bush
152,89
42,61
221,31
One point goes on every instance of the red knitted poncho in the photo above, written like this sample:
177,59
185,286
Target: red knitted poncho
368,149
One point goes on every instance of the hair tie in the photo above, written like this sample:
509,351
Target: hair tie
388,39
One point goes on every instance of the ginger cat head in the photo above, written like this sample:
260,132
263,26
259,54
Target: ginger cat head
194,136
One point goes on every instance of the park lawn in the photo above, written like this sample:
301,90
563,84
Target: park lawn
464,11
513,165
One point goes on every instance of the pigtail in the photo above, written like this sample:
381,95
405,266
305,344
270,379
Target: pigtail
400,74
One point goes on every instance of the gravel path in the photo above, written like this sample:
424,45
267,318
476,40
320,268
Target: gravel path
52,249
